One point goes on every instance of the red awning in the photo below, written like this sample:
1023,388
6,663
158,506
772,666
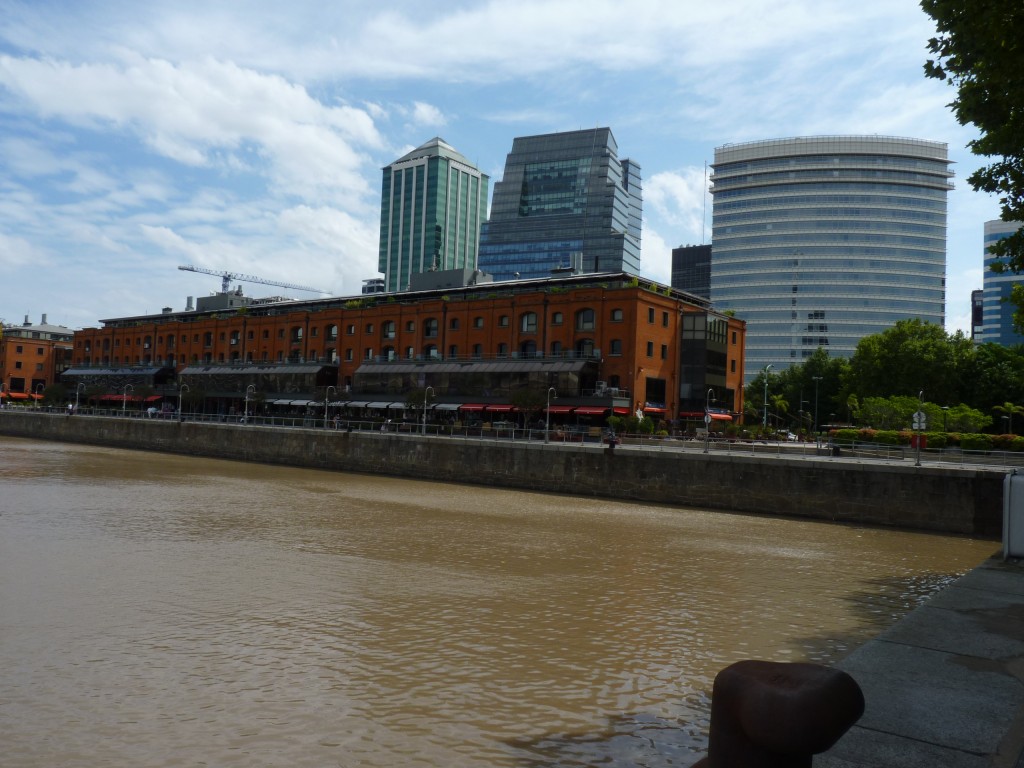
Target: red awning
153,398
721,417
621,410
500,408
17,395
651,409
472,406
34,396
560,408
590,410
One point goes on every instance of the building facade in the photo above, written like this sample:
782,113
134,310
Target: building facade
997,287
821,241
565,202
433,203
602,342
32,357
691,269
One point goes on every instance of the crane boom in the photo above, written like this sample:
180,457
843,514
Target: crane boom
227,277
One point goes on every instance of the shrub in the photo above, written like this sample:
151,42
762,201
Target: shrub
976,442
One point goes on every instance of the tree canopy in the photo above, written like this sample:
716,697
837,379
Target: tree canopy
979,49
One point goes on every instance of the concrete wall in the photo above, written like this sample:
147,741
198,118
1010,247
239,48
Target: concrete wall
931,498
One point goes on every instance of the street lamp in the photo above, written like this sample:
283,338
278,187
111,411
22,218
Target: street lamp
428,390
78,388
245,417
945,412
816,380
124,397
327,400
547,415
766,369
181,389
707,419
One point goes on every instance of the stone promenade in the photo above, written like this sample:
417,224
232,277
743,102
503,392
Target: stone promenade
944,688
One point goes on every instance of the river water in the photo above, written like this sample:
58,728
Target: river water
163,610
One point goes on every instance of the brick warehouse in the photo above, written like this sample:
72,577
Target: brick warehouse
602,341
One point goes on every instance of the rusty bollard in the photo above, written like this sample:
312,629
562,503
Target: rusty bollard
766,714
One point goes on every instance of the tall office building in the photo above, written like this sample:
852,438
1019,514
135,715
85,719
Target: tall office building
566,202
433,202
821,241
996,309
977,314
691,269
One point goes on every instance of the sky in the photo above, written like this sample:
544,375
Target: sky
249,137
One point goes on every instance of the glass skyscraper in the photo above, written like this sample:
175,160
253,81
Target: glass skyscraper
433,203
821,241
996,309
565,202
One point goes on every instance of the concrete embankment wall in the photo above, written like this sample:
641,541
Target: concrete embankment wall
931,498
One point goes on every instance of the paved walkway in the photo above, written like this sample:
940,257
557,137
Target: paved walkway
945,686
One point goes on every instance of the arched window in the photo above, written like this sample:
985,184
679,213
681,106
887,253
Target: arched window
388,353
503,350
388,329
430,351
585,320
556,349
585,348
615,348
528,348
528,322
430,328
616,315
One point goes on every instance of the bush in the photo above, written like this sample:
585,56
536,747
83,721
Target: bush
977,442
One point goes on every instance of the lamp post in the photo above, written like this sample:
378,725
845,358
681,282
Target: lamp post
327,400
816,380
707,420
78,389
245,416
945,412
426,391
764,424
547,415
124,398
181,389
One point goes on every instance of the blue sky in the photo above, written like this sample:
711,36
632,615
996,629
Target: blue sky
249,136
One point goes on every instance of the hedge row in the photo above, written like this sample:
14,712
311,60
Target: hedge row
966,441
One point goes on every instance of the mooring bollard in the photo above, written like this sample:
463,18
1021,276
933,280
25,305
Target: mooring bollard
767,714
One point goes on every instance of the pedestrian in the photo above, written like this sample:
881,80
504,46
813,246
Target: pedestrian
71,408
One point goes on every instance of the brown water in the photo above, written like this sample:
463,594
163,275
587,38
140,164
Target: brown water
169,611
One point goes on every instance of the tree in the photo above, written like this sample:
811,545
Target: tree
909,357
979,49
1009,410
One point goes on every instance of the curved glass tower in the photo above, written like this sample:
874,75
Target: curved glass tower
820,241
997,309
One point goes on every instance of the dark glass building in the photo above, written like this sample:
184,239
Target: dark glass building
566,202
691,269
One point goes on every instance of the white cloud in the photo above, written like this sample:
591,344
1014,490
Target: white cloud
680,200
427,115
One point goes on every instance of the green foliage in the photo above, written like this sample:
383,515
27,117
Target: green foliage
353,304
978,50
976,442
910,357
529,399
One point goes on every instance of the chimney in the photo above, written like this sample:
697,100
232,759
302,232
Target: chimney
27,323
44,320
188,304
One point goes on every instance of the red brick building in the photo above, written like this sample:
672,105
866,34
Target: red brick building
32,357
606,340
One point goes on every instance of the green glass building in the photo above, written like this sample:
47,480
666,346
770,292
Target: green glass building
433,201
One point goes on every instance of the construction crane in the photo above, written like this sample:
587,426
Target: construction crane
227,277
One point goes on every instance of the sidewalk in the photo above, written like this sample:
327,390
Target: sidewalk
945,686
